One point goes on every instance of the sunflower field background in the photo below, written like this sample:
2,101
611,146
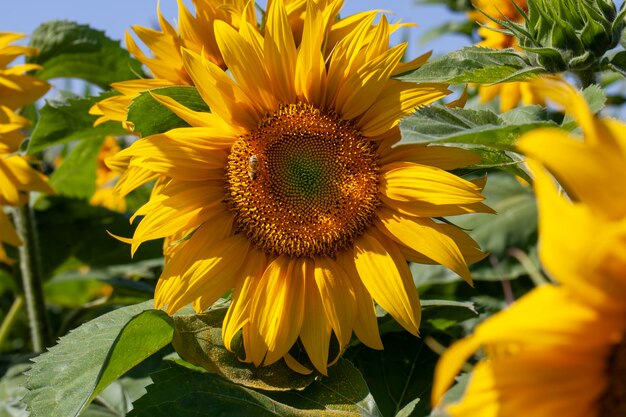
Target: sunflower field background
287,209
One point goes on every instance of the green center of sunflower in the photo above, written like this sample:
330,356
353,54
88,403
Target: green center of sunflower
614,400
303,183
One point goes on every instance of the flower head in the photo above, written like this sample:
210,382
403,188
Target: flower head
561,350
292,193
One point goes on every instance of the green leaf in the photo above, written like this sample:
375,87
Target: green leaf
452,396
70,229
76,177
63,121
475,65
436,315
399,374
150,117
63,380
515,225
343,393
180,391
440,124
70,50
12,391
198,340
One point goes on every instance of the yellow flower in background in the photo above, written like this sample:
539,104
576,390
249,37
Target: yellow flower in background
561,351
106,178
17,177
291,193
17,88
510,94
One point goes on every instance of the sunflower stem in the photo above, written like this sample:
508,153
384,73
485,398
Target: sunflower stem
31,278
9,319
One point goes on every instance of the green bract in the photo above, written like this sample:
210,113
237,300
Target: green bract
570,35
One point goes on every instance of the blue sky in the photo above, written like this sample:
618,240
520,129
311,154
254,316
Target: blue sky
115,16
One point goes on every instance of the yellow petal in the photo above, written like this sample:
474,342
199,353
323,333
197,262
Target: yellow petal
7,232
278,306
389,281
315,333
280,53
338,297
212,272
310,68
398,100
428,238
443,157
365,323
240,56
239,311
408,182
220,92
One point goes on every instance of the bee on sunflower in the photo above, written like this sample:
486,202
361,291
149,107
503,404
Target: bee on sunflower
334,208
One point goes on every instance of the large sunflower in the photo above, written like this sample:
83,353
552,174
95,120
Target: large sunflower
510,94
291,193
17,178
561,351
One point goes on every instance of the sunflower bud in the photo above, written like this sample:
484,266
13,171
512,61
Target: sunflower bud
570,35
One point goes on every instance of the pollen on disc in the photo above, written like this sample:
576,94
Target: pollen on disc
303,183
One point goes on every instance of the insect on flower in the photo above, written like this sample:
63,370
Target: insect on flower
253,167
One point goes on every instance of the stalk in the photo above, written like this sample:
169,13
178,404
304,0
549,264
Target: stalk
32,284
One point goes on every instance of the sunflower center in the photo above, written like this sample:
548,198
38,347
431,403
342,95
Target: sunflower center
614,401
303,183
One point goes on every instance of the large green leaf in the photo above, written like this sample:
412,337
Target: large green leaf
180,391
198,340
71,229
63,380
71,50
76,177
474,64
66,120
514,225
452,396
150,117
440,124
12,390
399,374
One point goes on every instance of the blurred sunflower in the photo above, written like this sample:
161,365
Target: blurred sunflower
17,89
512,93
17,177
291,193
105,195
561,351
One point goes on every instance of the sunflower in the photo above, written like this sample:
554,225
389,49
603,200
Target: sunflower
17,177
17,89
510,93
105,195
291,192
560,350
